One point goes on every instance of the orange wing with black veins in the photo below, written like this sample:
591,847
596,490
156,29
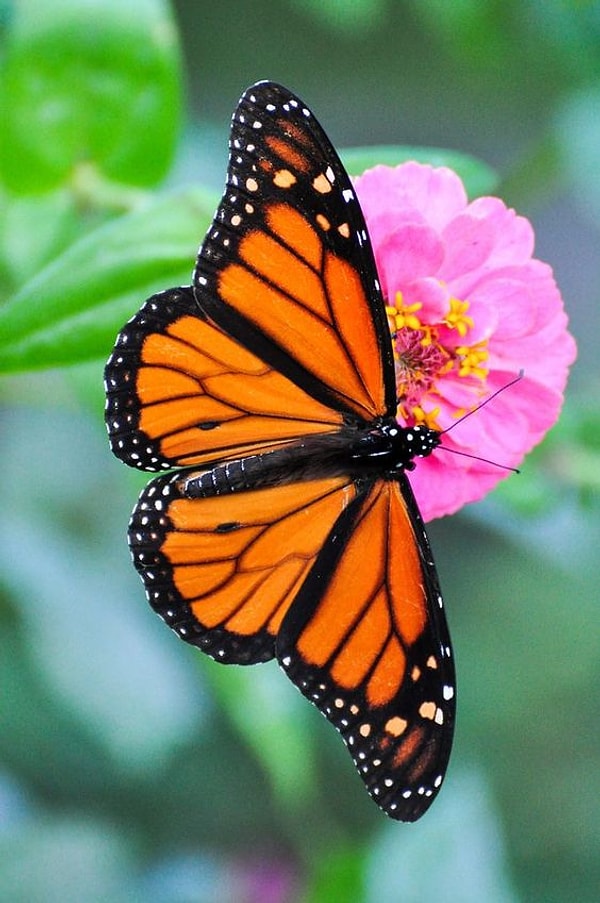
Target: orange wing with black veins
367,643
182,392
222,571
287,265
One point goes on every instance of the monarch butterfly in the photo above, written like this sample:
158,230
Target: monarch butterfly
289,529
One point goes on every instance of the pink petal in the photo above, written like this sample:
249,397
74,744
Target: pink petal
515,315
412,251
437,193
432,294
486,235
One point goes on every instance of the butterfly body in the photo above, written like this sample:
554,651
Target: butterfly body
381,451
288,528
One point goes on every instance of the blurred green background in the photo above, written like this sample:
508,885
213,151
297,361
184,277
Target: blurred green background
131,767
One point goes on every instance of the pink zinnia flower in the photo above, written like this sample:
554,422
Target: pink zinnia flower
469,307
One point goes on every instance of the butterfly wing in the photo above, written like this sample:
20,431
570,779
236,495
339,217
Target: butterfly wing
181,392
370,647
222,571
289,334
287,266
280,570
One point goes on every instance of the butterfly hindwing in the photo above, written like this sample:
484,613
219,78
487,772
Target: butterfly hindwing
370,647
223,570
182,392
287,263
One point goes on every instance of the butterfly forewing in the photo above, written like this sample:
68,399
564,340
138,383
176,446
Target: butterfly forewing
369,646
288,257
181,391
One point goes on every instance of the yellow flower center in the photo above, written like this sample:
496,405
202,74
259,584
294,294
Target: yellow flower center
426,352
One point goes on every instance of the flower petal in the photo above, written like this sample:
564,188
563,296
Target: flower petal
412,251
436,192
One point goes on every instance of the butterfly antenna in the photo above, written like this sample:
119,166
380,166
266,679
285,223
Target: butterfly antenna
491,397
455,451
487,400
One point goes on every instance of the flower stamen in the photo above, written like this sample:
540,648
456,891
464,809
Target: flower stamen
471,359
417,416
457,317
403,315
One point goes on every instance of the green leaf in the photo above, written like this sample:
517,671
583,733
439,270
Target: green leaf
71,310
88,84
33,231
478,177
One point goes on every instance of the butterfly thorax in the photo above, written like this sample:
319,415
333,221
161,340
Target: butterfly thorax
380,450
391,447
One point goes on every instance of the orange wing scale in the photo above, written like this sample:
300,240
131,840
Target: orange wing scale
288,257
231,564
195,395
370,650
213,380
390,604
297,289
287,154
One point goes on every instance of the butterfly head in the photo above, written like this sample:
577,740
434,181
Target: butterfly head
408,443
